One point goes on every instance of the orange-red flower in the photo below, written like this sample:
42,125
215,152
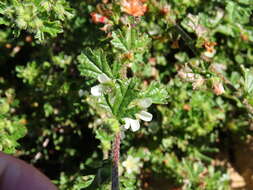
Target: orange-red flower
98,18
134,7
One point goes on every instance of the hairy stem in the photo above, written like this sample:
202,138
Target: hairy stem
115,162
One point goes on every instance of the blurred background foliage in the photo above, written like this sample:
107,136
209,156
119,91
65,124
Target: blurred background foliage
202,51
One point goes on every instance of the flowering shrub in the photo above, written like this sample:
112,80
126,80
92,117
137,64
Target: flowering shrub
122,94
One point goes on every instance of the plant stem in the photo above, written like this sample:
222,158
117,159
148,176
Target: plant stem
115,162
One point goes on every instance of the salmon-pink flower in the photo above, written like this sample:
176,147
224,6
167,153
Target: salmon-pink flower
218,88
134,7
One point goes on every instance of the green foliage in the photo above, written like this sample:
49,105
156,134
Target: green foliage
121,94
38,17
11,125
28,73
194,175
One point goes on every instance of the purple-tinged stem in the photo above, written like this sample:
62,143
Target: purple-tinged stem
115,162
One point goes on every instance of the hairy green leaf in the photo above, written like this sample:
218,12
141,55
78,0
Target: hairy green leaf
94,63
156,92
130,40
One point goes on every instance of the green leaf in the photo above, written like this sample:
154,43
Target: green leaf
125,94
227,29
237,14
52,28
119,42
116,68
4,107
4,21
2,7
246,2
94,63
130,40
87,181
248,80
156,92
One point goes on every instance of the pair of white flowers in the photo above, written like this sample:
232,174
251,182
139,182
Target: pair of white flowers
142,115
134,124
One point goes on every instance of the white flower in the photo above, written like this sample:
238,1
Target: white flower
143,115
99,89
134,123
132,164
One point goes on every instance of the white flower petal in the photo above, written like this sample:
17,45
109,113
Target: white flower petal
135,125
145,103
103,78
127,122
97,90
145,116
